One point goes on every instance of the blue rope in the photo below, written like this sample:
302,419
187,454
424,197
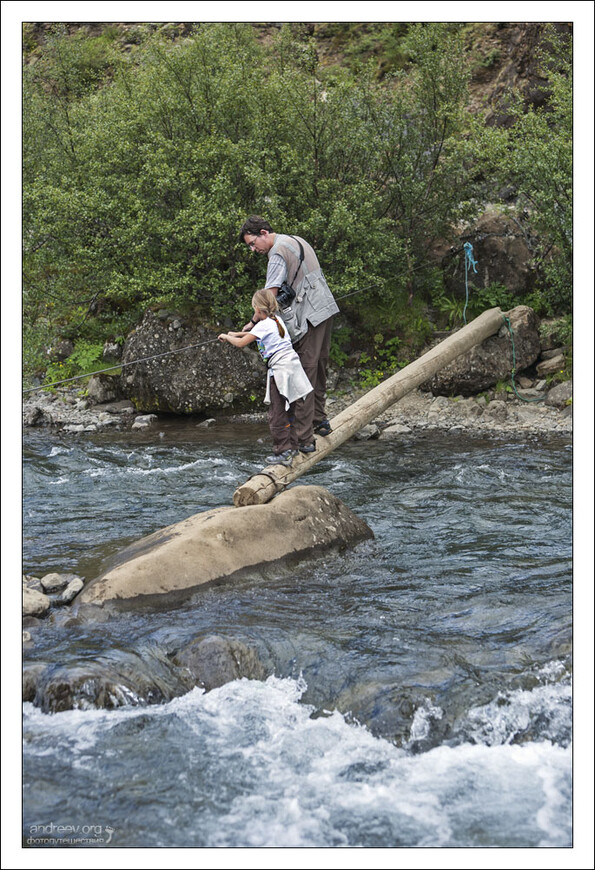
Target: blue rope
513,372
469,262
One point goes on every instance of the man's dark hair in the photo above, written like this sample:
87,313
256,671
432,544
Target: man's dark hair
253,226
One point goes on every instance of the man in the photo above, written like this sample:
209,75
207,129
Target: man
308,316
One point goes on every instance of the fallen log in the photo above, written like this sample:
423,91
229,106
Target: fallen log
263,486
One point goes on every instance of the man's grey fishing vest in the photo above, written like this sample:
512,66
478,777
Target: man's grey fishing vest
313,301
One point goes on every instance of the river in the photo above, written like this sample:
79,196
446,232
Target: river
419,688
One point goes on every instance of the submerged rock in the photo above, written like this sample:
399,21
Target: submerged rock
119,679
134,678
213,661
218,544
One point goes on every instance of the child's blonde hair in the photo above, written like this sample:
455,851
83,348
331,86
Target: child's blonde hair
264,300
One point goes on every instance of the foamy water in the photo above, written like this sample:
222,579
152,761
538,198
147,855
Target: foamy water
250,765
419,691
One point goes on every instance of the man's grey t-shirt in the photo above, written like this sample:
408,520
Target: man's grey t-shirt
276,271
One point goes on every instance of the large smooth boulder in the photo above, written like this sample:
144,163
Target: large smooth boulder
220,543
491,361
206,379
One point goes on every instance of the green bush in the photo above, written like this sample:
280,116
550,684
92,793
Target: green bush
139,169
84,359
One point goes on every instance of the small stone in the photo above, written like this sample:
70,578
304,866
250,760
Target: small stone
123,407
32,416
540,385
469,408
54,582
551,366
32,582
31,621
206,423
525,383
394,431
554,352
112,351
31,675
71,591
228,397
26,637
367,432
560,395
440,402
35,603
75,428
140,425
147,419
530,394
496,411
103,388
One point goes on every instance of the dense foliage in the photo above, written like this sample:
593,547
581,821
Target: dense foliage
139,169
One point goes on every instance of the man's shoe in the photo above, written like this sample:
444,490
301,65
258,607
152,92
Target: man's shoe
308,448
323,428
286,458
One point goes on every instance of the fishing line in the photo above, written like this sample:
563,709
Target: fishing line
121,365
167,352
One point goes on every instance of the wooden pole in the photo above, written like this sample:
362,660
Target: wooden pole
271,480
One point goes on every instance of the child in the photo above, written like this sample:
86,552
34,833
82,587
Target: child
287,382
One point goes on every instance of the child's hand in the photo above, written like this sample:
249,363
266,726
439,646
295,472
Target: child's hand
222,336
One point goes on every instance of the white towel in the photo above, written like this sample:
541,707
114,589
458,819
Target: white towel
290,378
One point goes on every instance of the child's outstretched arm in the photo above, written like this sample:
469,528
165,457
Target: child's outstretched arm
238,339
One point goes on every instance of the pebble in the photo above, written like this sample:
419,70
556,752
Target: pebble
71,591
55,582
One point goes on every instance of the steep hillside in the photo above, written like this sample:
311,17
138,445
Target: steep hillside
504,56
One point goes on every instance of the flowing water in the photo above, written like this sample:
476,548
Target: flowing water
419,688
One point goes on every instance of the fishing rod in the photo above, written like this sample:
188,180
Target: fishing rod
167,352
121,365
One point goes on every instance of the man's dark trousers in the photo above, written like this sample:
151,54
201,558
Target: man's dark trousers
313,350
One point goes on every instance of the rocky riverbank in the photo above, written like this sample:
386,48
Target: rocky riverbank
499,413
541,411
474,391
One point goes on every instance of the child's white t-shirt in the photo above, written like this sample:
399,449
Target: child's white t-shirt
268,339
